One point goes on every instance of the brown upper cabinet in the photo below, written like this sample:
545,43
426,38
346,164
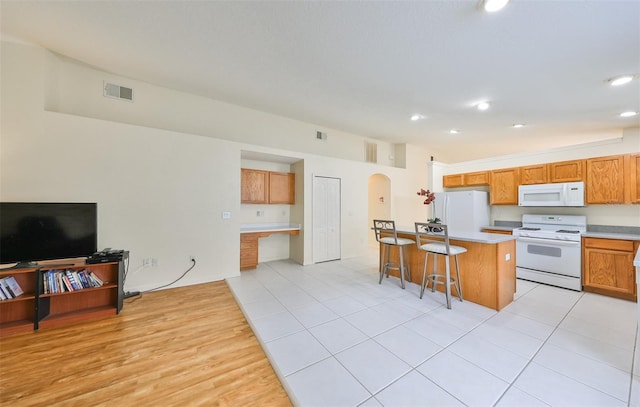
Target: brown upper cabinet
534,174
567,171
503,189
633,181
282,188
605,180
468,179
266,187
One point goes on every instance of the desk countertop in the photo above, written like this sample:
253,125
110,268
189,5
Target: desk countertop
268,227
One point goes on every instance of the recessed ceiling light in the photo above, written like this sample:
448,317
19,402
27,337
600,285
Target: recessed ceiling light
628,114
416,117
492,5
621,80
454,131
483,105
518,126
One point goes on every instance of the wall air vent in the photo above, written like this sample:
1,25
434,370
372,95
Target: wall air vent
370,152
111,90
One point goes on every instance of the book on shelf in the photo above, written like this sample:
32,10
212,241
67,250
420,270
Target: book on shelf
5,291
3,296
13,285
59,281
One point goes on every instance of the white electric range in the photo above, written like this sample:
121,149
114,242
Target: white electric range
549,249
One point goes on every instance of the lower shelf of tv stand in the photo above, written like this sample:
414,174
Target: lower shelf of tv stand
16,327
67,318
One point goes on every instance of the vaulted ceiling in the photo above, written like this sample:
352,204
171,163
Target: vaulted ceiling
366,66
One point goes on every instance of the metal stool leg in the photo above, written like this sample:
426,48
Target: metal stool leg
447,278
434,277
383,262
458,281
401,250
424,274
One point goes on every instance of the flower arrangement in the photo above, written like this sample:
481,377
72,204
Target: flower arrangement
430,196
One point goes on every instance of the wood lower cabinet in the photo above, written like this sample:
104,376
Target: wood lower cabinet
248,251
605,180
18,315
607,267
567,171
504,186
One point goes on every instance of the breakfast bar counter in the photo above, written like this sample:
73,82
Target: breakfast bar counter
487,269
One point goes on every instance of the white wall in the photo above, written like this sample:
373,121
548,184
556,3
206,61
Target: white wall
160,185
617,215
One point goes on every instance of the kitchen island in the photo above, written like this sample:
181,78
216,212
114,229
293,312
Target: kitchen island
487,269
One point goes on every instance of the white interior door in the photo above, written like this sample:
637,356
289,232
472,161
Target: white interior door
326,219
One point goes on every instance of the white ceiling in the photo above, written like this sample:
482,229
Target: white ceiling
365,66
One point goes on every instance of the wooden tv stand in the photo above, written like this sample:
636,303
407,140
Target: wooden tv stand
36,309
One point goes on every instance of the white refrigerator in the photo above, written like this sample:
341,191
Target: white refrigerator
462,211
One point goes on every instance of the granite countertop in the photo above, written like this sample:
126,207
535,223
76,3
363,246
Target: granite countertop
477,237
612,235
268,227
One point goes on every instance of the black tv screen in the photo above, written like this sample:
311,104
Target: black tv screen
32,231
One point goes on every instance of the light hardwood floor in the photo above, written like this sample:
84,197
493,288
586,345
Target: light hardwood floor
187,346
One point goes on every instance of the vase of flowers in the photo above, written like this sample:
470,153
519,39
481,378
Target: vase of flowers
430,197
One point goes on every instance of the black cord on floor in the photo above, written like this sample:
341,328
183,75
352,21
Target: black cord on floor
174,281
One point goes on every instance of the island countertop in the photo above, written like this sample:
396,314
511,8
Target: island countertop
477,237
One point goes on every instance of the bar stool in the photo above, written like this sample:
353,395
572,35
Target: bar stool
386,234
434,238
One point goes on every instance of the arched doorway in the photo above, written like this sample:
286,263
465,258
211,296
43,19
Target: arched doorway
379,201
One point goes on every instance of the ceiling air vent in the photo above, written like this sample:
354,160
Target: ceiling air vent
111,90
370,152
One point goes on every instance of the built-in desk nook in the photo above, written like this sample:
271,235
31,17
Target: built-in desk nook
487,269
249,235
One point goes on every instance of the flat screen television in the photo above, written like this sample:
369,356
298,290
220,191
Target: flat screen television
33,231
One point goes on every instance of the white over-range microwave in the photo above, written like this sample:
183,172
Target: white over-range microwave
560,194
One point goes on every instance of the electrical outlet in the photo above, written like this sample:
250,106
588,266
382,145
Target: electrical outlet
154,262
146,262
226,215
192,259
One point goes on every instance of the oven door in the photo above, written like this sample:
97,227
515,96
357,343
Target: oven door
552,256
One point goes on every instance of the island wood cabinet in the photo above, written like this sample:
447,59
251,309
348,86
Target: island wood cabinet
607,267
504,186
267,187
605,180
487,271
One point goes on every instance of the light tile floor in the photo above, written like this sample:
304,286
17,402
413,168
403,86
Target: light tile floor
337,338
